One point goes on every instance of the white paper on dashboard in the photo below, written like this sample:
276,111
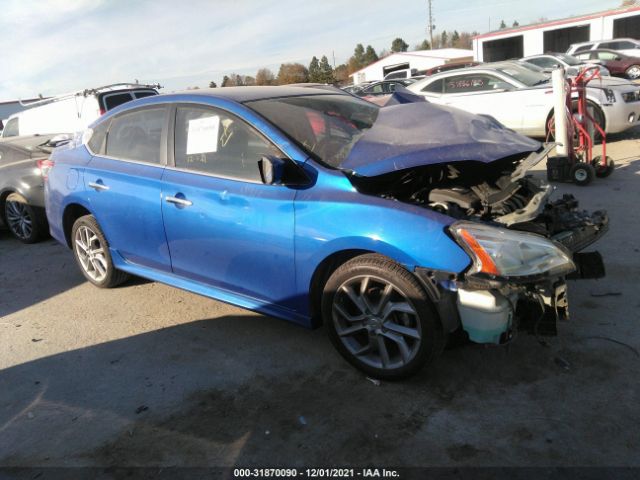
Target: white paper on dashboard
202,136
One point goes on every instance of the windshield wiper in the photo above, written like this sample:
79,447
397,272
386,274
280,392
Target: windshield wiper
540,82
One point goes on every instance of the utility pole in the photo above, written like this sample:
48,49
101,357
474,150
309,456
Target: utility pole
430,27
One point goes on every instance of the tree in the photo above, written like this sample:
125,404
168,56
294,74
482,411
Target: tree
358,53
370,55
213,84
455,39
444,39
515,24
248,80
225,81
314,70
399,45
292,73
325,71
425,45
265,77
341,74
502,24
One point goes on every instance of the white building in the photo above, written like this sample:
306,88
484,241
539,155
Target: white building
418,60
557,35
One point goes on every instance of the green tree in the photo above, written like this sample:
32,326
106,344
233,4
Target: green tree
399,45
325,71
515,24
455,39
425,45
341,74
358,53
292,73
213,84
370,55
265,77
444,39
502,24
225,81
314,70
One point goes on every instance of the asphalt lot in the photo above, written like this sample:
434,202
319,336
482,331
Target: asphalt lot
148,375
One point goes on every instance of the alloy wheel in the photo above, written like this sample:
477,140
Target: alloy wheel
91,254
633,72
19,219
376,322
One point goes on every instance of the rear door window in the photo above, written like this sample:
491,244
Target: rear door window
113,100
618,45
583,48
212,141
137,135
143,94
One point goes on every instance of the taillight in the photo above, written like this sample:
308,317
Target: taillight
102,111
45,165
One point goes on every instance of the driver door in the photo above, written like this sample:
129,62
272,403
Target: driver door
224,227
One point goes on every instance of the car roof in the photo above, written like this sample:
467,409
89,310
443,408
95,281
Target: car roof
249,94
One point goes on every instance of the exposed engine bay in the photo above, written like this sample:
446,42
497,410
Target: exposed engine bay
501,194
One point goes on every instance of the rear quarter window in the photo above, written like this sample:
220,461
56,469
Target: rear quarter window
114,100
11,128
434,87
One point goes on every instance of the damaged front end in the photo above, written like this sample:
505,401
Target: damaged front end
523,245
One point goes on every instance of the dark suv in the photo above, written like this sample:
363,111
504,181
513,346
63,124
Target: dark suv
24,163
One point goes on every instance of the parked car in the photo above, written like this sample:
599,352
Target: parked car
628,46
74,111
619,64
519,97
321,207
383,87
401,74
572,65
24,162
448,67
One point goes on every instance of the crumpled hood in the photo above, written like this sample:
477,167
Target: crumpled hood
416,134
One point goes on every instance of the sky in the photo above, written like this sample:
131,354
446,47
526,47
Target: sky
56,46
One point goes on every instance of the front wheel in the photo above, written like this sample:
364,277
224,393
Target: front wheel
380,319
582,173
91,250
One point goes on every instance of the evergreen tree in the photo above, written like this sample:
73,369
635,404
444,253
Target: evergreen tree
502,24
399,45
225,81
370,55
213,84
444,39
314,70
515,23
455,39
425,45
325,71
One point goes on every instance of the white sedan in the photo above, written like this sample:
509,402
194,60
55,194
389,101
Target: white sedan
521,98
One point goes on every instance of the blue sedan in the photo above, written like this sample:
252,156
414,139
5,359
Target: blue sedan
394,227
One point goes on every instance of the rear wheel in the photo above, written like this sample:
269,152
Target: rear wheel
380,319
25,222
633,72
91,250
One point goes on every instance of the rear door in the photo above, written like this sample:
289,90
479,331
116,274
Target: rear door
123,184
224,226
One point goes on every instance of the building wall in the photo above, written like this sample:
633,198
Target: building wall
600,28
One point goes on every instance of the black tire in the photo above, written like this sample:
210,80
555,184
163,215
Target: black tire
422,322
633,72
108,277
25,222
603,172
582,173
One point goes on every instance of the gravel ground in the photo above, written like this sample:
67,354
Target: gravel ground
148,375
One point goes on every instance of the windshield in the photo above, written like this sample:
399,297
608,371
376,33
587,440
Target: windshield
569,59
524,75
326,126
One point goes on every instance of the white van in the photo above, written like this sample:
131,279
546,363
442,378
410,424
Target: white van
74,111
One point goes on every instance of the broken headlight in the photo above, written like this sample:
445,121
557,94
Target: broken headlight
506,253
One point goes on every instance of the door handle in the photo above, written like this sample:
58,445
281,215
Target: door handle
98,186
181,202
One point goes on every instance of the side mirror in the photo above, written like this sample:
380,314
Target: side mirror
271,170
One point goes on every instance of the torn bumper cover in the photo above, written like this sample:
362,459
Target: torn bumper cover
490,302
